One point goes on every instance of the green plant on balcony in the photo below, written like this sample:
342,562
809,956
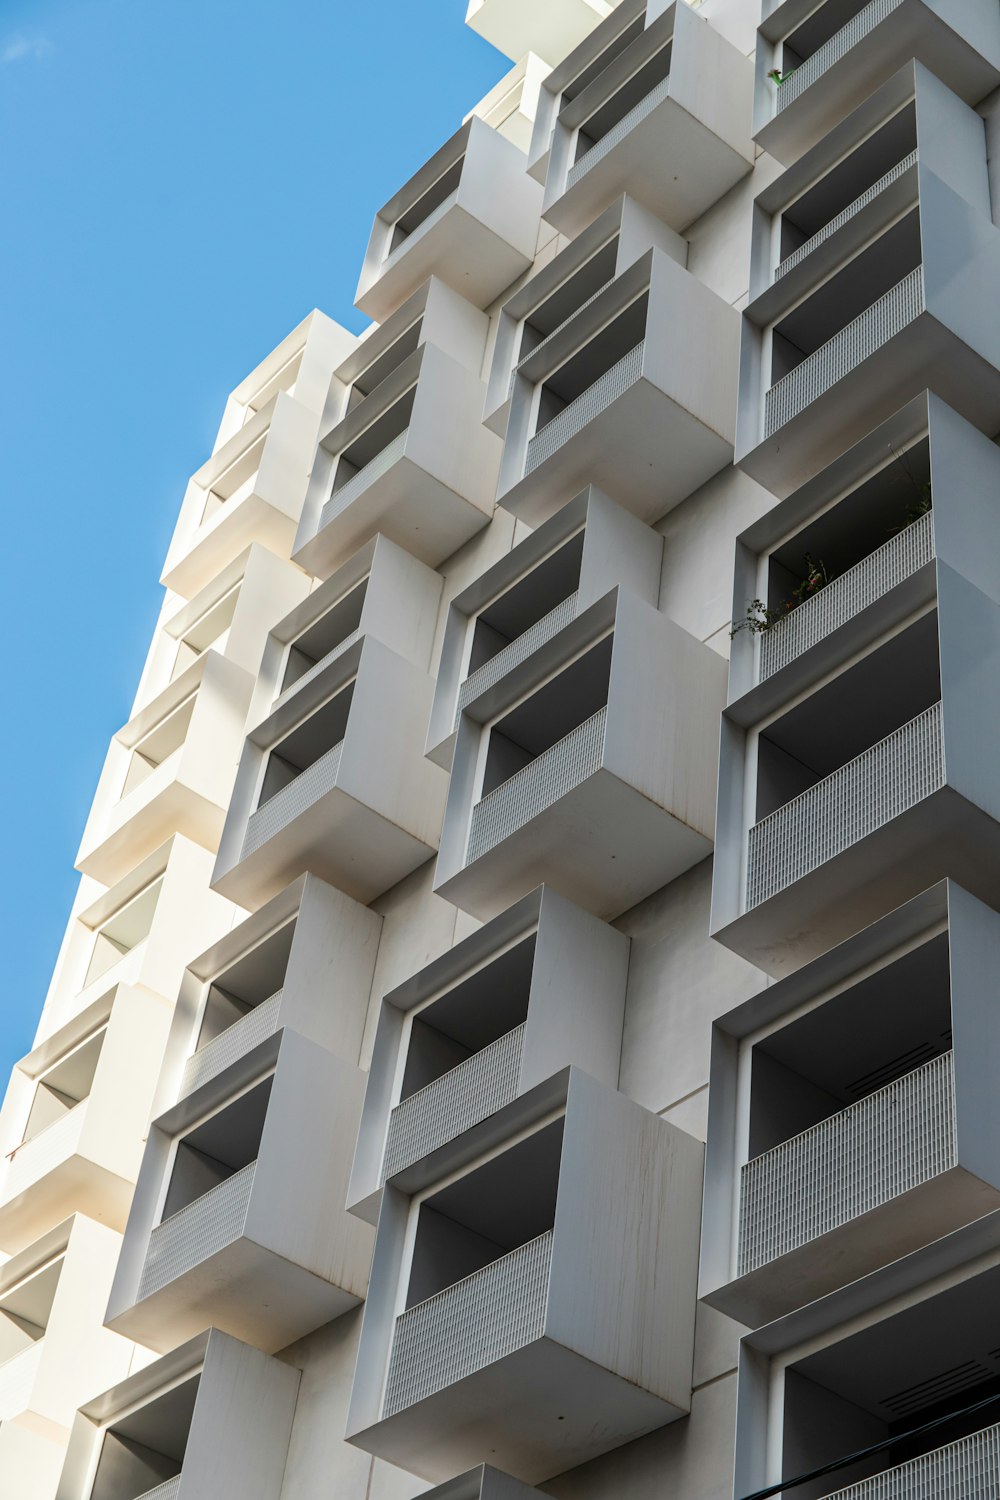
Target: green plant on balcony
759,618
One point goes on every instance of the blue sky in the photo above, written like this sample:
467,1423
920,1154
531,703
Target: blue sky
181,181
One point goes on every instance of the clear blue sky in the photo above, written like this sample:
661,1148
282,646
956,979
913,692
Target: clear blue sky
181,181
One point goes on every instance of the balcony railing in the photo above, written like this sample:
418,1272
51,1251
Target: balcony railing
844,352
318,666
846,596
588,405
864,794
374,469
17,1379
557,330
43,1152
461,1098
295,798
537,786
846,215
196,1232
832,51
516,652
618,132
469,1325
168,1490
968,1469
233,1043
884,1145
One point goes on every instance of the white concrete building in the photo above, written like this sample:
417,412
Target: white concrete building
528,1024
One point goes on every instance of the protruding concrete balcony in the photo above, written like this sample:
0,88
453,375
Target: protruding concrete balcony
462,1043
851,1114
587,548
633,95
238,1219
469,216
53,1347
835,54
829,816
515,27
253,486
74,1118
333,779
600,728
539,1304
175,1430
169,770
867,260
611,397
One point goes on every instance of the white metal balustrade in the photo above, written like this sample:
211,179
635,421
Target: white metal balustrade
516,652
233,1043
295,798
864,794
844,352
968,1469
886,1144
846,215
470,1325
618,132
319,666
342,497
844,597
588,405
838,46
557,330
17,1380
198,1231
168,1490
456,1101
537,786
42,1153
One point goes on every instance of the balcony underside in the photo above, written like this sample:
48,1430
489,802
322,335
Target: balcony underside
603,844
73,1184
644,448
135,831
231,531
924,355
536,1412
703,168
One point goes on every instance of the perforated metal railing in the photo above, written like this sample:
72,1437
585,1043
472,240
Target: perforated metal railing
168,1490
319,666
861,796
190,1236
557,330
846,215
617,133
968,1469
459,1099
846,596
233,1043
838,46
374,469
884,1145
844,352
45,1151
17,1379
295,798
543,781
588,405
516,652
469,1325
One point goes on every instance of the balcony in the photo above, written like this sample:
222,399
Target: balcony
461,1043
836,54
515,29
174,1432
238,1221
599,728
846,1115
311,795
469,216
485,1327
169,770
73,1140
865,269
628,98
512,609
611,398
843,826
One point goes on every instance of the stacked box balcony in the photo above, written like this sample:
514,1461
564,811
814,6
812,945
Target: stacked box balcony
462,1043
600,728
866,263
515,28
628,98
489,1323
845,786
174,1432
